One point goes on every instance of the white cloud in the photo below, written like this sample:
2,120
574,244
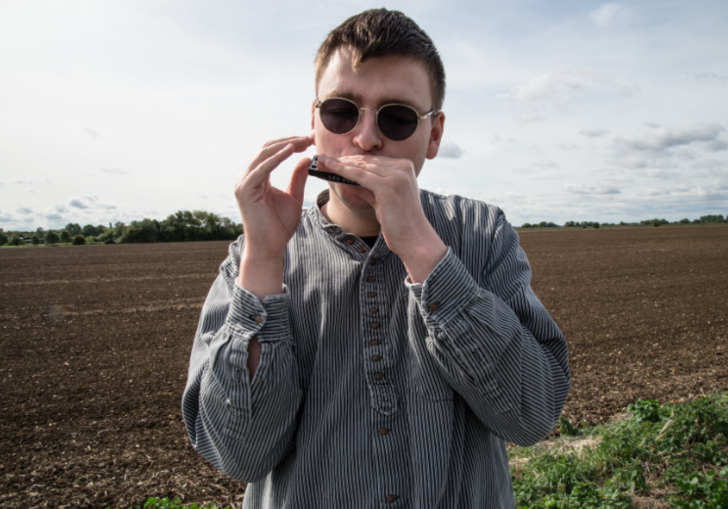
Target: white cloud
559,91
659,141
114,171
23,182
25,211
594,133
712,76
89,202
609,14
450,150
600,188
92,133
662,174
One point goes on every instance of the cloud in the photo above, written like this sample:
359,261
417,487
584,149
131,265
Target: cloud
659,141
23,182
54,217
559,91
609,14
535,167
600,188
25,211
662,174
712,76
61,208
114,171
6,217
89,202
450,150
594,133
92,133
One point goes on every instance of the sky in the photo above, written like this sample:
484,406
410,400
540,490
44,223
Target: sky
555,110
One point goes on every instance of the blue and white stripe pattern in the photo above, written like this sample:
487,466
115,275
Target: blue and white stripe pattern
373,392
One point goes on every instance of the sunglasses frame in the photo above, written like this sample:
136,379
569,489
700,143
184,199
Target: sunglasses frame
376,111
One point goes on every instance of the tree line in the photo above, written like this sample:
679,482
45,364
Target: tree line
709,219
182,226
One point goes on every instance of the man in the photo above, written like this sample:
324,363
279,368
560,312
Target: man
378,349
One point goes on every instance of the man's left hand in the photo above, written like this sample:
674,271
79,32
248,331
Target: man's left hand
390,187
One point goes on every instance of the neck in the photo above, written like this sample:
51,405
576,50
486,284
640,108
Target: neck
361,222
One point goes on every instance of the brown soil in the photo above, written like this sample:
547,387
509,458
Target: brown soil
95,341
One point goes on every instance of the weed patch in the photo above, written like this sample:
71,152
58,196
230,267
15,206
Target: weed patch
672,455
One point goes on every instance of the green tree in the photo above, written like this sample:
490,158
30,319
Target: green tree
16,240
596,224
656,223
51,238
3,238
35,240
41,233
79,240
685,220
73,229
65,236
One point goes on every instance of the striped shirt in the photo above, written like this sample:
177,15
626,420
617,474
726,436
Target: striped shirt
373,392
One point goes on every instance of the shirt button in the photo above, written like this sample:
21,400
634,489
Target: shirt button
373,262
370,279
375,342
382,431
378,376
432,308
371,295
391,499
258,319
375,326
375,358
373,310
362,250
350,241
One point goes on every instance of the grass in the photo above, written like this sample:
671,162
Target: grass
661,456
672,455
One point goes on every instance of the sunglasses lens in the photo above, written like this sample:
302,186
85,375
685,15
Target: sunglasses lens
339,116
397,122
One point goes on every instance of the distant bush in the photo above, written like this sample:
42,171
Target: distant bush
685,221
79,240
527,225
16,240
656,223
596,224
51,238
3,238
35,240
65,236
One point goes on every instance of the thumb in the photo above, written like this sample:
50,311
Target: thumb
298,179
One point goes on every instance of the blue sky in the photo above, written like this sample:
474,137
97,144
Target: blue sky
599,111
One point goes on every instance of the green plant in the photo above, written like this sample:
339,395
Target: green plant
79,240
16,240
165,503
65,237
683,447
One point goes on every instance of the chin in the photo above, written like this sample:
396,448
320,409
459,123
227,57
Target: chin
349,196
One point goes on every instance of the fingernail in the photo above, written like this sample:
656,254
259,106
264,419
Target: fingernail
322,158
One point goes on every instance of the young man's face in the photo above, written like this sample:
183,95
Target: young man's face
376,82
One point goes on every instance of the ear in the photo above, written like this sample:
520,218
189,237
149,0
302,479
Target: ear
313,114
438,127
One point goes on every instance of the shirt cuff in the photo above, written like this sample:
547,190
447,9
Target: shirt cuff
266,319
447,290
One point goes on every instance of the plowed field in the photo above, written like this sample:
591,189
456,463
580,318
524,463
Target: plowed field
94,346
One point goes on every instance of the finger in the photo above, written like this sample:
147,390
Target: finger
260,174
372,165
300,143
298,179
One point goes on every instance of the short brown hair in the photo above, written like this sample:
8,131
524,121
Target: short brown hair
380,33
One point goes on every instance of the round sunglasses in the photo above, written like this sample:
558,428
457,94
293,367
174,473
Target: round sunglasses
395,121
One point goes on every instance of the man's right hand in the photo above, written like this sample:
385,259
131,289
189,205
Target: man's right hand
270,216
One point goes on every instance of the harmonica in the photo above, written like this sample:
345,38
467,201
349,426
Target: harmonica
325,175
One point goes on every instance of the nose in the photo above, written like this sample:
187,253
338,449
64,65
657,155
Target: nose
366,134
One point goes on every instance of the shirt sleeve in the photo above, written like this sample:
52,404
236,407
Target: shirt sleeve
494,343
242,427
